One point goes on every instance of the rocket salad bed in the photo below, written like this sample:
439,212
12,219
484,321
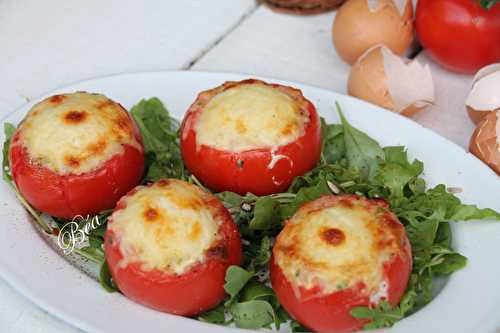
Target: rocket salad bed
352,163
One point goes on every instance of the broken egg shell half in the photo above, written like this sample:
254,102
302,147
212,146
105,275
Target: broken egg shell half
387,80
485,141
484,96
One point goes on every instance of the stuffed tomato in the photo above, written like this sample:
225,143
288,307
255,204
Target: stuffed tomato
168,246
250,136
76,154
337,253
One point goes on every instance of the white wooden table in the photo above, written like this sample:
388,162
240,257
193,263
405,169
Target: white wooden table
47,44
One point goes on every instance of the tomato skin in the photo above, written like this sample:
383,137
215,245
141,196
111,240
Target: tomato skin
195,291
459,34
249,171
331,312
67,196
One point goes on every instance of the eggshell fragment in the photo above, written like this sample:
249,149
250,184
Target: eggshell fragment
362,24
485,141
484,96
398,84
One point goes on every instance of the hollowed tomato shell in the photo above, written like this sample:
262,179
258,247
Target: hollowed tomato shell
69,195
250,170
197,290
331,312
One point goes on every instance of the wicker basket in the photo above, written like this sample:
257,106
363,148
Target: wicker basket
303,7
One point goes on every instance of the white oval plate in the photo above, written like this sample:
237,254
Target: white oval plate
469,302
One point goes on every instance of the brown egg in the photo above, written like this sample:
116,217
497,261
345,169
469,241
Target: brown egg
484,96
485,141
304,6
397,84
362,24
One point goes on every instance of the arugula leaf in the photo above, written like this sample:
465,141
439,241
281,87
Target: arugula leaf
488,4
450,263
255,290
260,257
396,172
9,131
385,315
422,236
305,194
266,214
333,145
214,316
443,235
230,199
161,140
236,279
106,279
252,314
362,152
462,212
93,254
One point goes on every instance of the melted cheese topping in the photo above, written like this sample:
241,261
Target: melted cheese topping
76,133
250,116
336,247
167,226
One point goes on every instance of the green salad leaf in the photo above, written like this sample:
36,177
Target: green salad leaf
252,314
333,146
488,4
362,152
106,279
215,316
236,279
161,140
266,214
396,171
386,315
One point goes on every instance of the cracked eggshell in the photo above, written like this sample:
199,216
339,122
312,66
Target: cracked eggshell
485,141
362,24
484,96
387,80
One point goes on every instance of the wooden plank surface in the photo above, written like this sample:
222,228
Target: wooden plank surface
46,44
287,47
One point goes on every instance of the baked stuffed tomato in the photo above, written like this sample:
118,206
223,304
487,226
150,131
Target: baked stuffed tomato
250,136
76,154
168,246
337,253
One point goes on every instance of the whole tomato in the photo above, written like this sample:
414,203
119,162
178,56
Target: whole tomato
459,34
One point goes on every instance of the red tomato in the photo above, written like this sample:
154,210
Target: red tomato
198,289
459,34
330,311
255,170
69,195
